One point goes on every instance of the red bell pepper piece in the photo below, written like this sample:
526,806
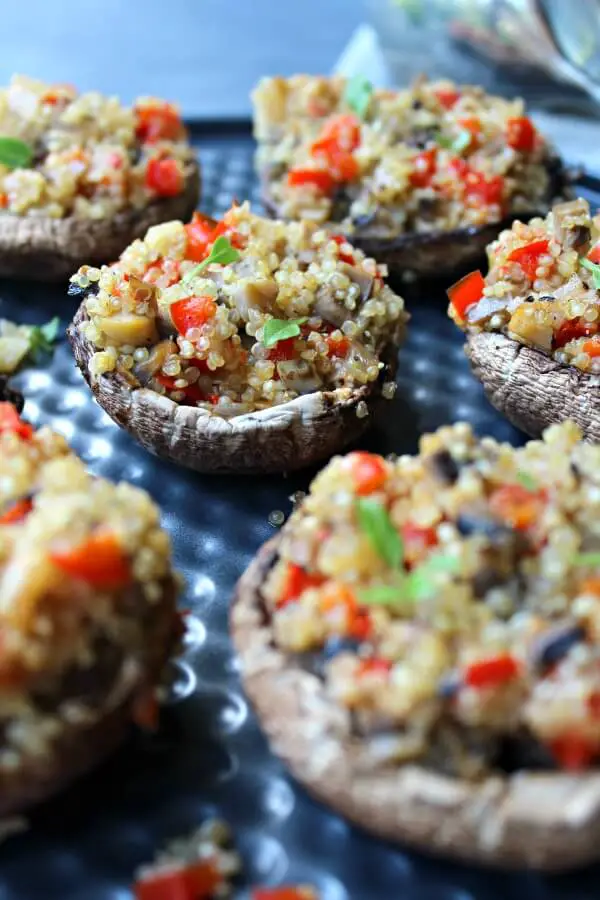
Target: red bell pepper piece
592,348
425,164
374,665
192,392
369,472
284,893
157,122
99,560
520,134
164,177
361,625
514,504
338,348
196,881
594,254
319,179
297,581
200,233
571,330
343,257
417,541
17,512
489,191
496,670
11,421
447,97
528,256
473,126
573,752
192,312
283,350
342,132
466,293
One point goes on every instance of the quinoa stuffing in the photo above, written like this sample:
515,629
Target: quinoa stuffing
433,157
542,288
451,601
85,155
83,567
239,315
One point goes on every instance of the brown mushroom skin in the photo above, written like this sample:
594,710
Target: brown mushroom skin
43,249
82,746
531,389
283,438
546,821
440,254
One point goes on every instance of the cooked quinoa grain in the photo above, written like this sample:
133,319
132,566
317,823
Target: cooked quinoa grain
89,156
286,309
433,157
542,288
451,601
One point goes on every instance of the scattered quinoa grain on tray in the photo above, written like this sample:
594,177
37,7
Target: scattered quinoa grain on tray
451,601
239,315
434,157
87,607
85,155
542,288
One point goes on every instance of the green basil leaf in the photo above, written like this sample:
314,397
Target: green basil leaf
587,559
421,581
594,268
528,482
14,153
376,524
382,595
42,337
276,330
221,252
357,95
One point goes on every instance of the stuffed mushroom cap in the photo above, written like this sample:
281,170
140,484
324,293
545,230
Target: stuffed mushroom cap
533,323
243,345
420,643
87,612
421,179
81,176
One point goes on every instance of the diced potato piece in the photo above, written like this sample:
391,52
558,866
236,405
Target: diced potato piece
532,323
127,328
12,351
166,238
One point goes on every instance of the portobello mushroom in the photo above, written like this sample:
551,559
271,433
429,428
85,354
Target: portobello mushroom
449,789
82,177
87,626
268,404
427,185
537,352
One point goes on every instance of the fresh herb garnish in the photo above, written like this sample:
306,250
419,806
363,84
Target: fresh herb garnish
457,144
411,589
14,153
376,524
357,95
587,559
221,252
384,595
42,337
276,330
594,268
528,482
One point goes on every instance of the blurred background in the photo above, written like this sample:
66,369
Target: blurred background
207,54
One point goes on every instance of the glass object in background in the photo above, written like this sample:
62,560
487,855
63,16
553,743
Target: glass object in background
546,50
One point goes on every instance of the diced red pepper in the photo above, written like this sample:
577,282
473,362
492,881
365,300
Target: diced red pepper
11,421
496,670
424,166
466,292
342,132
344,166
369,472
99,560
319,179
338,348
341,239
284,893
571,330
594,254
528,256
283,350
573,752
417,541
223,227
157,122
297,581
192,312
520,134
200,233
591,586
196,881
165,268
361,625
473,126
17,512
489,191
592,348
164,177
593,704
514,504
447,97
374,665
339,597
192,392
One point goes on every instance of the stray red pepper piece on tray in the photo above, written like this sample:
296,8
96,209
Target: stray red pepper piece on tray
99,560
164,177
520,134
528,256
11,421
369,472
286,892
491,672
466,293
196,881
17,512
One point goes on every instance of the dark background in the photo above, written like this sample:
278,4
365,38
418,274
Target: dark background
206,54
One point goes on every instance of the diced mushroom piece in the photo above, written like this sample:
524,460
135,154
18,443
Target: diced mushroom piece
578,238
360,277
298,375
485,309
257,294
565,216
532,324
156,359
128,328
328,308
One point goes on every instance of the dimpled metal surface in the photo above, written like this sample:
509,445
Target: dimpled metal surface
209,757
